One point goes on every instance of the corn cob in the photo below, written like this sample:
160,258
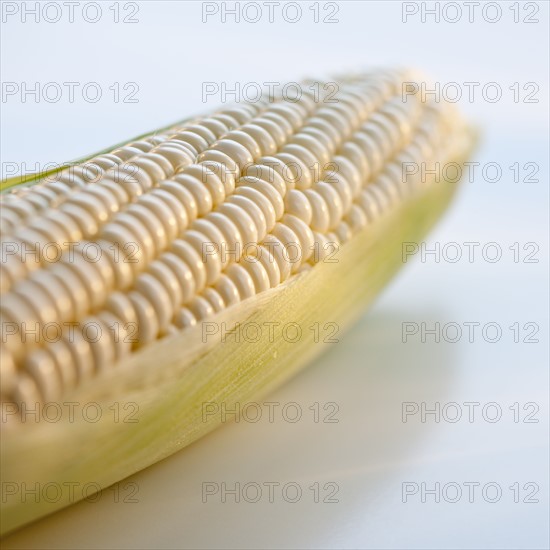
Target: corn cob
229,217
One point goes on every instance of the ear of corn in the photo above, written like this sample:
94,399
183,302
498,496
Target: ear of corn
227,219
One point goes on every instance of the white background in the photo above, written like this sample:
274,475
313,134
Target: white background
370,452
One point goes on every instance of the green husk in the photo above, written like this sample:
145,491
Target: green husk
29,179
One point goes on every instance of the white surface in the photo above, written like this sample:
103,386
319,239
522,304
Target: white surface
369,452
